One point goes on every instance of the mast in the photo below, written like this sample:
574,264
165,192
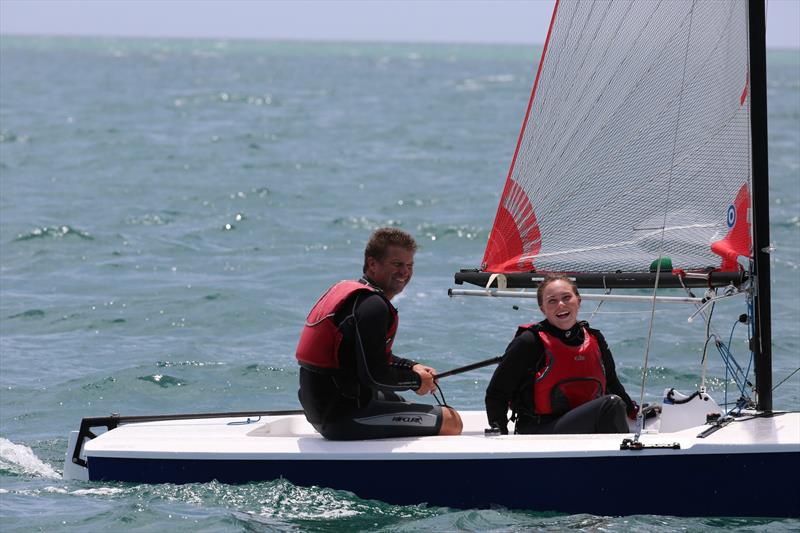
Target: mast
762,339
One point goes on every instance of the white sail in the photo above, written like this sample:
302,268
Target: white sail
636,142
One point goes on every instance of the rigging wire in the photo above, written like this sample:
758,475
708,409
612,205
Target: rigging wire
666,212
734,370
709,335
606,291
786,378
730,339
732,367
737,374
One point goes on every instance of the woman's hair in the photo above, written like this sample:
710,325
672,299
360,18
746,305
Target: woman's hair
383,238
550,278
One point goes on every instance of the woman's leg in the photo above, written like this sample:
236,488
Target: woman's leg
601,415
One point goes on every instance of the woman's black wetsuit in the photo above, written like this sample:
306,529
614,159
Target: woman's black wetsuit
513,381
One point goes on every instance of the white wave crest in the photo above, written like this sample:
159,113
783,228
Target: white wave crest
102,491
21,459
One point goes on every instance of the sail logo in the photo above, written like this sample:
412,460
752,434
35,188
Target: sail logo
731,215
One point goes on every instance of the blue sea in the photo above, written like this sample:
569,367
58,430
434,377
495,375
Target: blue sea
170,210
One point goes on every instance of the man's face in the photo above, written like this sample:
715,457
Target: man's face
393,273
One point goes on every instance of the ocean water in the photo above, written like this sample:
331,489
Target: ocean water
170,209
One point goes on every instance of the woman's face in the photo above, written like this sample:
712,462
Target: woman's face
560,304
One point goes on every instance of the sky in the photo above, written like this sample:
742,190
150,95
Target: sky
480,21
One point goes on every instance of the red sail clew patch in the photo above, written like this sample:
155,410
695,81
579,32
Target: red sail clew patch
738,241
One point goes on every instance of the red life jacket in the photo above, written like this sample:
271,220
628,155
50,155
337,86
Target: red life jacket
319,342
571,375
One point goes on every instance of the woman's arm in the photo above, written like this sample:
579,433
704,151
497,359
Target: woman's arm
613,385
511,374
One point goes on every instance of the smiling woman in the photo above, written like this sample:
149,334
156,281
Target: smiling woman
558,375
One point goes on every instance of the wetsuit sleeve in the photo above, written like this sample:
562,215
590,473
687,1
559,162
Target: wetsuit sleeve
613,385
514,370
400,362
374,369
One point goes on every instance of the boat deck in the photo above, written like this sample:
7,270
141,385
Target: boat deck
291,436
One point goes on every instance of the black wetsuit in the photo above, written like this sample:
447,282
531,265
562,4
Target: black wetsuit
360,401
513,381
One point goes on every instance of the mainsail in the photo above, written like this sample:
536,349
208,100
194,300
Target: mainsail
636,143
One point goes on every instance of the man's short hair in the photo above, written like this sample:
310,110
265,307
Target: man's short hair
382,238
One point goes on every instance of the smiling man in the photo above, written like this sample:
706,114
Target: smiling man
349,377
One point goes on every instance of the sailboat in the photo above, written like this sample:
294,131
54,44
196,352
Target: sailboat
642,163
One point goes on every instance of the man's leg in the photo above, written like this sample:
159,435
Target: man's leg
451,422
381,419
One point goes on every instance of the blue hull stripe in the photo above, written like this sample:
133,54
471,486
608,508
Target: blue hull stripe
679,485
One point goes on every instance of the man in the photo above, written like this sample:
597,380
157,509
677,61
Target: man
349,377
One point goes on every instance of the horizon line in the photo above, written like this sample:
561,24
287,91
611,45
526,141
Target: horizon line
320,40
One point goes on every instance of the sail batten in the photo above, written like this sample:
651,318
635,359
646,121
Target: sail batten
639,118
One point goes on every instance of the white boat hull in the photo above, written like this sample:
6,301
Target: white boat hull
708,475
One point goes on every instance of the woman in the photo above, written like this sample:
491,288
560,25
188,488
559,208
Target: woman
558,375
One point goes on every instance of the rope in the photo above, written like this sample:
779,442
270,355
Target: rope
441,402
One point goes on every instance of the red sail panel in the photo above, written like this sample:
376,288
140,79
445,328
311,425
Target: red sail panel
515,237
515,217
738,242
